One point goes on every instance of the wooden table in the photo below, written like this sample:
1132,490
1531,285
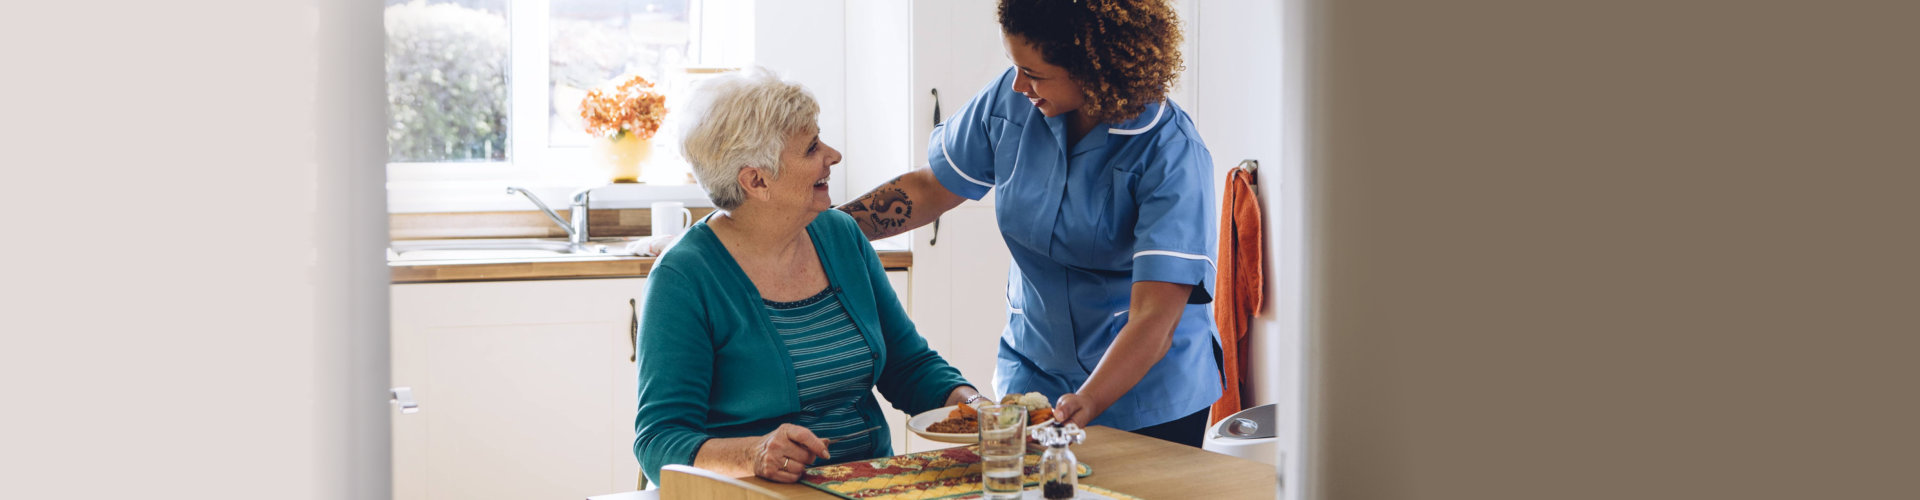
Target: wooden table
1124,462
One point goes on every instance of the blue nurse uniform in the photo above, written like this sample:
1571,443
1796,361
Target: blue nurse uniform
1131,201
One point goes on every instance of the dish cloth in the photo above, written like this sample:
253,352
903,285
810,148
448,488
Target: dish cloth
651,246
1240,285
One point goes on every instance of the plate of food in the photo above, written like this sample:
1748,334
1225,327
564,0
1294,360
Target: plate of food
961,424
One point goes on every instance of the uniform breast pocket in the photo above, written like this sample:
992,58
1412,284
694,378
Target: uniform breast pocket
1122,210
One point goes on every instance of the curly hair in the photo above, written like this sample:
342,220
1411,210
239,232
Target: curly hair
1124,53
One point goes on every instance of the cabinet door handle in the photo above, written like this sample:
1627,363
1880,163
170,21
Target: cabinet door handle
935,239
403,396
633,329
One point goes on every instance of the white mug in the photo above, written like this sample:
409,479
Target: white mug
670,218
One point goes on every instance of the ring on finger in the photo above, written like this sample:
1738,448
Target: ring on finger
784,461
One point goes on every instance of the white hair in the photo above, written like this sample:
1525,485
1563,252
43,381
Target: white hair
738,120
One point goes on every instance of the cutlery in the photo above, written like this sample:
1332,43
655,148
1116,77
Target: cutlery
845,437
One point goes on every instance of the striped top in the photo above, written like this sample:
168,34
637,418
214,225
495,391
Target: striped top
834,368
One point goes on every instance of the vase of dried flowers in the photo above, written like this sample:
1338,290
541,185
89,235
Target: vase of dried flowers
625,120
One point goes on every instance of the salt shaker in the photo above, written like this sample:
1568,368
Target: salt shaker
1059,470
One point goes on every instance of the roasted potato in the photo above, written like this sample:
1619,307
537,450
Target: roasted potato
964,411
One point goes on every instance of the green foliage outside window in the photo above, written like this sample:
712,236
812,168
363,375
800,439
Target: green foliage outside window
446,83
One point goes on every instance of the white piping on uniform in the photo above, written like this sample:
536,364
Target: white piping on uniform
956,168
1116,315
1187,256
1137,131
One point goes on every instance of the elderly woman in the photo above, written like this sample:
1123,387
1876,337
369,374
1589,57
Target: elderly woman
770,322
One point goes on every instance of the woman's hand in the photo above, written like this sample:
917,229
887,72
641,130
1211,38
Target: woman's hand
961,394
1076,409
782,455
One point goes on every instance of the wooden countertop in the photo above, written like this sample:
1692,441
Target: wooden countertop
1123,462
546,269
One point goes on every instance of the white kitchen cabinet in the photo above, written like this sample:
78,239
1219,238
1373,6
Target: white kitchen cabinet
525,389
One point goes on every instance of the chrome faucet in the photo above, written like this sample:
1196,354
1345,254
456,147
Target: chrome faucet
577,227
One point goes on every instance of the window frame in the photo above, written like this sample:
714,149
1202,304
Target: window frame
551,171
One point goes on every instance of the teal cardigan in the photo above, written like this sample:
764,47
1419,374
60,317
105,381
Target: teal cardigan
711,365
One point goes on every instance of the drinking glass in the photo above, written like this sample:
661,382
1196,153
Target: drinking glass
1003,445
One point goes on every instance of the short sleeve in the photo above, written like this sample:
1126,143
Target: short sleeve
960,150
1177,236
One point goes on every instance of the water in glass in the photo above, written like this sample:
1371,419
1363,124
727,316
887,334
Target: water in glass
1002,447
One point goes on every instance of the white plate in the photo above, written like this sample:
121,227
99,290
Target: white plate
918,424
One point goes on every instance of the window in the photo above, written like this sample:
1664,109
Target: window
590,42
485,93
447,81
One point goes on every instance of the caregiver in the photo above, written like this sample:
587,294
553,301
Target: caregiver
1106,203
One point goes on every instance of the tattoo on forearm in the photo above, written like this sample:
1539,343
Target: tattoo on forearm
883,212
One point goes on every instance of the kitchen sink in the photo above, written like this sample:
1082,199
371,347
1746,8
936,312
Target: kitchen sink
411,251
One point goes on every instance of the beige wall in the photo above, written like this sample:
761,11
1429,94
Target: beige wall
1616,249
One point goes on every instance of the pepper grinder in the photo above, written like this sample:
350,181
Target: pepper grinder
1059,470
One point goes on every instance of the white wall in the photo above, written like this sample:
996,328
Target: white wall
200,313
1248,105
878,93
803,40
853,55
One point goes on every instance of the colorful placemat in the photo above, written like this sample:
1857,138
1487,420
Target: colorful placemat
950,473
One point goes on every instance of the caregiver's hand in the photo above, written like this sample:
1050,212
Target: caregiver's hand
1155,310
782,455
1073,408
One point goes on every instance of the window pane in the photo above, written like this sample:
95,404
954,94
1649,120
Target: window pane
447,80
593,41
